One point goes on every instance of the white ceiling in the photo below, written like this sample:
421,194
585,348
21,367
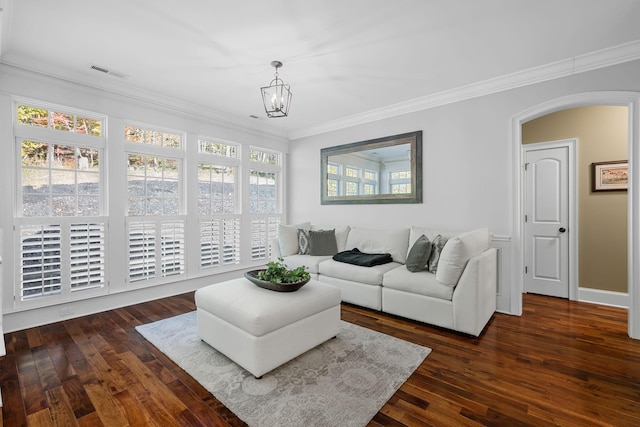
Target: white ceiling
341,57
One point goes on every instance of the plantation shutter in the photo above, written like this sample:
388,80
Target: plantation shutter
87,256
231,241
142,250
41,273
172,256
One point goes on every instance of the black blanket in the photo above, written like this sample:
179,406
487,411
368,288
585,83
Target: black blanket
354,256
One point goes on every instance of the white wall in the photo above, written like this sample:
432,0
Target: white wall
467,160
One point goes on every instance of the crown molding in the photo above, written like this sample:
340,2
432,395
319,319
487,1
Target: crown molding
579,64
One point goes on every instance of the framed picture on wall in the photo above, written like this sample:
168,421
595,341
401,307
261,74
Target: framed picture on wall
610,176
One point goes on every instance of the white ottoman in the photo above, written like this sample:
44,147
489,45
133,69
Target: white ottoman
261,329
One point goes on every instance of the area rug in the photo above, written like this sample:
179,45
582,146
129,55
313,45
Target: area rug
344,381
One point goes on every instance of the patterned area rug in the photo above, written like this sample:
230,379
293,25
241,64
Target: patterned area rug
344,381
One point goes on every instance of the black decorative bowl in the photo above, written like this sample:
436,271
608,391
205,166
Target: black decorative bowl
252,276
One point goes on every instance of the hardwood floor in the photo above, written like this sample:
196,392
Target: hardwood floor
561,363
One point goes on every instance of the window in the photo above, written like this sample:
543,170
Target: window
233,203
46,118
59,180
217,148
351,188
352,181
153,185
262,192
334,178
216,189
351,172
400,182
219,242
155,221
152,137
370,179
218,203
60,218
332,187
61,258
264,203
263,231
263,156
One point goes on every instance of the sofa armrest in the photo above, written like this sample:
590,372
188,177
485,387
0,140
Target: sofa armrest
275,249
474,298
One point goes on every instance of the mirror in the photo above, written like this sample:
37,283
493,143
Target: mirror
383,170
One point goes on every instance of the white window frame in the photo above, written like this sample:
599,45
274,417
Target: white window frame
262,228
153,223
50,135
399,181
226,245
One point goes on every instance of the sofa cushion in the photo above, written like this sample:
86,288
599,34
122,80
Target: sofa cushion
419,254
311,262
341,234
458,251
376,241
355,273
322,242
437,245
288,237
421,283
303,241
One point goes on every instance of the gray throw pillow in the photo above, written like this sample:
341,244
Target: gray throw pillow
419,254
322,242
303,241
436,249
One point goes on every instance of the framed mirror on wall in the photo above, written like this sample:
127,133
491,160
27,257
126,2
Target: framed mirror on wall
383,170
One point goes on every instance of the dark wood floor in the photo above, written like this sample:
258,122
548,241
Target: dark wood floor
561,363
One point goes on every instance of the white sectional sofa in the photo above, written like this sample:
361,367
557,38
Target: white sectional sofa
460,294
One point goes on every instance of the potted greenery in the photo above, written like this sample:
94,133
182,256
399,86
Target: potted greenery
277,277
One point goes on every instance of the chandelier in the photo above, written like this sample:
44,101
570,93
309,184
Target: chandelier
277,96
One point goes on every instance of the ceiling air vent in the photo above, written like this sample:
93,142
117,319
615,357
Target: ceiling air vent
107,71
102,70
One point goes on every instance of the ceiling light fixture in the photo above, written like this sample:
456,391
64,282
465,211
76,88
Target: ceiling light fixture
277,96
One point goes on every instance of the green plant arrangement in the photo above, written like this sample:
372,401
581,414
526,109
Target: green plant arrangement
277,272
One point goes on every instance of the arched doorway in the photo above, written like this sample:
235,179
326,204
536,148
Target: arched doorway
632,101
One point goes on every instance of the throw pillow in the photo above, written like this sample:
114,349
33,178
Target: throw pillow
436,249
458,251
288,238
342,232
322,242
419,254
303,241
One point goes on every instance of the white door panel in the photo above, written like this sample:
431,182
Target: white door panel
546,253
547,215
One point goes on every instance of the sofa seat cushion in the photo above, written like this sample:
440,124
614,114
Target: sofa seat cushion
355,273
310,261
421,282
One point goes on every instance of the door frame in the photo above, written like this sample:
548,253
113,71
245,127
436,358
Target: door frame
624,98
572,195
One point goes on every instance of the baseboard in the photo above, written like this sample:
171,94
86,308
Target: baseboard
31,318
596,296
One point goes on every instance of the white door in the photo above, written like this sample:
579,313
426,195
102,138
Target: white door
546,221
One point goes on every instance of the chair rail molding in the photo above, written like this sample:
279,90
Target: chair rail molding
503,244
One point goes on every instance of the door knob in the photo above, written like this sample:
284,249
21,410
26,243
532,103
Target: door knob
562,229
